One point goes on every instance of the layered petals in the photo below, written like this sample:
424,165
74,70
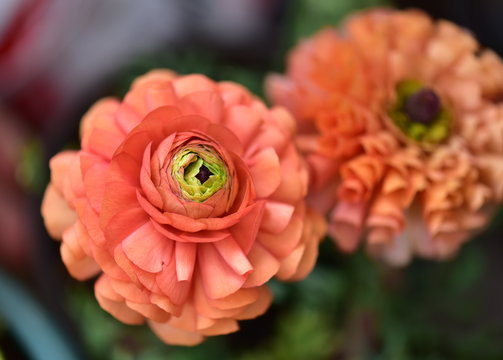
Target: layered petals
401,123
187,197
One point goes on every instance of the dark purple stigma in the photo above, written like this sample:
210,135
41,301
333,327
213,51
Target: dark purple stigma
423,106
203,174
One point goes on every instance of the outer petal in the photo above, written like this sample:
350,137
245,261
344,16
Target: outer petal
175,336
113,303
56,213
79,265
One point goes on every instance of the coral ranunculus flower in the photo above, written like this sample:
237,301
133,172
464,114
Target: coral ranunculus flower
402,126
186,198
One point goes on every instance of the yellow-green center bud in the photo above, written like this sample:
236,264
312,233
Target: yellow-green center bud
199,171
419,113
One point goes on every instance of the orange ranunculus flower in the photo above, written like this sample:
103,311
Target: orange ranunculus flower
186,198
402,127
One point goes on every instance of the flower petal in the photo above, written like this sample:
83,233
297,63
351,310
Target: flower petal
185,254
58,216
218,278
265,266
176,291
244,122
233,255
265,171
222,326
109,301
174,336
277,216
147,249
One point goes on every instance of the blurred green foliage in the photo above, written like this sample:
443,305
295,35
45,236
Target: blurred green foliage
32,171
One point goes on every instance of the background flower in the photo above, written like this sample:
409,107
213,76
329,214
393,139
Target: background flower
401,113
189,197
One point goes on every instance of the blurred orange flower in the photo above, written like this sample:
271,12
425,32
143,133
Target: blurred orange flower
187,197
402,126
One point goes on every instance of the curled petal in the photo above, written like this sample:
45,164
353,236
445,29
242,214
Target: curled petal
147,249
78,263
175,336
213,268
57,215
185,255
346,225
265,170
113,303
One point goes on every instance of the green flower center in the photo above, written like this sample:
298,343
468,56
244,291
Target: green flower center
199,171
419,113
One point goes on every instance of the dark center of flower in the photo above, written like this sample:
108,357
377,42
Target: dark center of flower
423,106
199,172
420,113
203,174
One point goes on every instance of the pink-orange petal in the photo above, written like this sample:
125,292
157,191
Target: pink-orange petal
207,307
116,308
265,171
290,264
244,122
127,118
346,225
258,307
100,115
192,83
80,267
242,297
58,216
207,104
218,278
185,255
147,249
161,94
123,223
148,187
226,138
149,311
174,336
221,327
154,77
233,255
103,143
265,266
176,291
60,165
277,216
281,244
245,231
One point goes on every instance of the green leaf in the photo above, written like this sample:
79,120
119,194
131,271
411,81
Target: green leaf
301,334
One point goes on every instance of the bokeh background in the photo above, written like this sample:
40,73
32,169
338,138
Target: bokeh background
57,57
